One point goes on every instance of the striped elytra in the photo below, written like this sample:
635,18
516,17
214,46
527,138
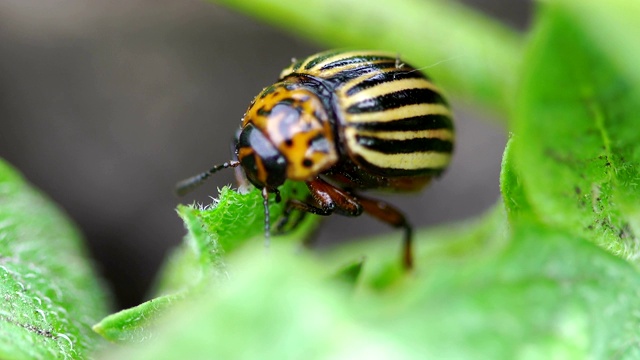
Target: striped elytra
344,122
392,118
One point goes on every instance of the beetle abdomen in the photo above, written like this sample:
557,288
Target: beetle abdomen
394,121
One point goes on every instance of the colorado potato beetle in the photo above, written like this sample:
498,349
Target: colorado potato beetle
344,122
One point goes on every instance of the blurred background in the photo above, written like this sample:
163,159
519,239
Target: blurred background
104,105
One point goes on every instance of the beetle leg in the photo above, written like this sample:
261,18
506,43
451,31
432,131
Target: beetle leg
325,199
285,219
310,238
294,204
394,217
331,198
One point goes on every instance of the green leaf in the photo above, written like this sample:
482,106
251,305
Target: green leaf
212,231
134,324
511,186
184,274
51,295
230,221
277,306
349,273
576,149
467,53
549,295
546,294
181,271
233,219
469,240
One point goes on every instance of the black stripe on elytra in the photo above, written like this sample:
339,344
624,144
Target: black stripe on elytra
350,74
389,76
395,100
297,65
415,123
356,59
395,172
320,58
386,146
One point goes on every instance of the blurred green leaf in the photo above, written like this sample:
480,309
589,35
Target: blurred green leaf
51,295
212,231
545,295
379,259
511,186
181,271
230,221
576,147
467,53
549,295
278,306
349,273
133,325
464,241
233,218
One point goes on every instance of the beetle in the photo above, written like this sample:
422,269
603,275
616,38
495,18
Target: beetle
344,122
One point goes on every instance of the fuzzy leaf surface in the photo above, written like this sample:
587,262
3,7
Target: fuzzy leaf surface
50,293
576,141
544,294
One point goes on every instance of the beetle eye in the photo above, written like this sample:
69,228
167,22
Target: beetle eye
249,164
263,164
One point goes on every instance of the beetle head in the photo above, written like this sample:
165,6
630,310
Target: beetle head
286,134
263,164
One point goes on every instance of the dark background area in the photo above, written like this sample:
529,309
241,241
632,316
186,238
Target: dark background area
104,105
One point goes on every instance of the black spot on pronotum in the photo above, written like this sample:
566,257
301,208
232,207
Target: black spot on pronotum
262,111
307,163
288,142
268,90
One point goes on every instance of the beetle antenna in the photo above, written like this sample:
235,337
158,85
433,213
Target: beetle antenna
267,225
187,185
